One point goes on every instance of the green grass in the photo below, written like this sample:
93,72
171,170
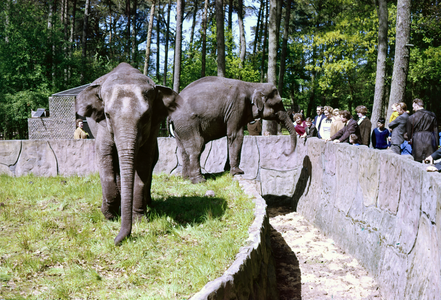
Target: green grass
55,243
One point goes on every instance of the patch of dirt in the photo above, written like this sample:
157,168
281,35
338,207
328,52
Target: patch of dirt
310,266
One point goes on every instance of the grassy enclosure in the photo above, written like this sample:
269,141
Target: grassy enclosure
56,244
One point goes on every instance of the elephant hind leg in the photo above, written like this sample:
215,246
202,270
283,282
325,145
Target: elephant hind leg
184,159
194,148
234,149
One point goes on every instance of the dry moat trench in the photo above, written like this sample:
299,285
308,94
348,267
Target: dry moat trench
310,266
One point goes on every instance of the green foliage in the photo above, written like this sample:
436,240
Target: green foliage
331,52
56,244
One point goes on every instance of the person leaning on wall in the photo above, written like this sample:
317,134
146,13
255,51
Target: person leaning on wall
79,132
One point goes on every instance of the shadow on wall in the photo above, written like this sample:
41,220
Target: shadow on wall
301,189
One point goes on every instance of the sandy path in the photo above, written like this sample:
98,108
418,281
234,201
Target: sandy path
310,266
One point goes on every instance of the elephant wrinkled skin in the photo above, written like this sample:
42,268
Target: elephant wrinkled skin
214,107
128,108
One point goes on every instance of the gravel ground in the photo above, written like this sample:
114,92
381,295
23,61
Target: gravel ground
310,266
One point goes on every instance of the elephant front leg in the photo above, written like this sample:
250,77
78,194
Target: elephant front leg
234,149
108,166
146,160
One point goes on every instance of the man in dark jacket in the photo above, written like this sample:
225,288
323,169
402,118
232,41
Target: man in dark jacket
422,130
364,124
398,127
351,127
318,120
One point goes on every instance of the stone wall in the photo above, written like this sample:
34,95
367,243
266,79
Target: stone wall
383,209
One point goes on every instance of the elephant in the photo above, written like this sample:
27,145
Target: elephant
127,107
214,107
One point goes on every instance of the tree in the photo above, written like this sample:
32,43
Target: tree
204,39
178,45
167,35
149,38
243,46
381,62
220,38
284,46
401,61
271,126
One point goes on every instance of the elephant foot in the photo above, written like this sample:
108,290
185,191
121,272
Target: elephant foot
197,179
235,171
108,214
137,217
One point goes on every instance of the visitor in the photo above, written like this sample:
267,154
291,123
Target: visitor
318,120
398,127
255,127
353,140
325,128
422,130
310,131
394,114
380,135
364,124
337,124
299,124
350,127
79,132
406,148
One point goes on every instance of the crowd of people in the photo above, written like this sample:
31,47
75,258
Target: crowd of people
415,135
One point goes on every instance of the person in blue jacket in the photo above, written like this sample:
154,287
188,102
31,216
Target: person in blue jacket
380,135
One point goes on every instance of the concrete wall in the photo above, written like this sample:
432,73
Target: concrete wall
382,208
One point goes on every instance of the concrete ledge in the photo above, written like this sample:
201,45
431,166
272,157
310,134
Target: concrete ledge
252,274
383,209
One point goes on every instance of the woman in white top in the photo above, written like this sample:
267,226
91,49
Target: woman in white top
325,128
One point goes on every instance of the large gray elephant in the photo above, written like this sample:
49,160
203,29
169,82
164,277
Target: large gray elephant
128,108
214,107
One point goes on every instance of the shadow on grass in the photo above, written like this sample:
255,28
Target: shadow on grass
189,210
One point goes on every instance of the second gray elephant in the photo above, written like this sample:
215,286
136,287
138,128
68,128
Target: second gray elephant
214,107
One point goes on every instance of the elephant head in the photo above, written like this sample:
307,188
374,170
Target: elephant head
268,105
129,108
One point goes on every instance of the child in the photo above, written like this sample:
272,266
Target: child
310,128
380,135
395,114
353,139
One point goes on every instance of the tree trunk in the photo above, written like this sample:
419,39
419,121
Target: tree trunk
401,61
256,36
262,65
72,34
84,39
271,126
128,37
167,37
193,25
284,46
134,33
149,38
178,45
381,63
204,38
220,39
230,16
158,44
243,45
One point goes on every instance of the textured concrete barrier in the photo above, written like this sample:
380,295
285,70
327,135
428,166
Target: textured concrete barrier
383,209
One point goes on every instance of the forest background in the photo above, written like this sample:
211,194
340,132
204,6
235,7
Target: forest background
318,52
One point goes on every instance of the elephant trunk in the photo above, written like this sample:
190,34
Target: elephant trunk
126,159
283,116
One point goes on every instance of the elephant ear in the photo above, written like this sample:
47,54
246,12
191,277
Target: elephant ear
258,99
88,103
166,102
